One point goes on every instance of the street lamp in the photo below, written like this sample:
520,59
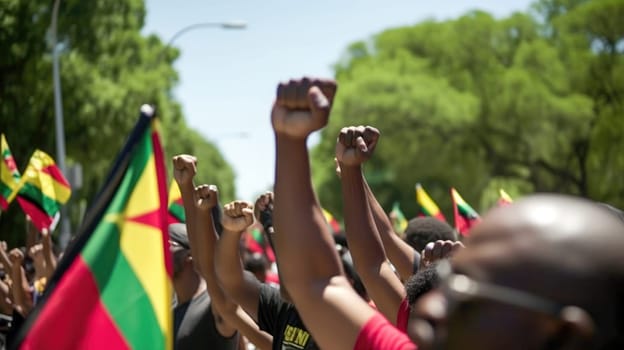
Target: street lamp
224,25
58,120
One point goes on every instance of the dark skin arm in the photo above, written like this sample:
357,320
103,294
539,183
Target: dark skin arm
21,301
355,145
401,254
241,286
309,264
206,198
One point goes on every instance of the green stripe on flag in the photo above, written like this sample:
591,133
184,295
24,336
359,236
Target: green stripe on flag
5,190
35,196
178,211
135,169
123,295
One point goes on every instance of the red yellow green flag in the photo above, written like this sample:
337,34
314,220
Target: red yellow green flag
334,225
504,199
175,205
43,191
399,222
9,175
113,287
427,206
465,216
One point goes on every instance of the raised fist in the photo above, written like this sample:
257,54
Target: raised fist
356,144
16,256
263,209
206,197
184,169
237,216
302,106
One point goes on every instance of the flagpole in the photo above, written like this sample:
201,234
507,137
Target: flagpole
58,120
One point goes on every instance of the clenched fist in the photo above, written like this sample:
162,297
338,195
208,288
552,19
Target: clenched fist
206,197
184,169
302,106
237,216
356,144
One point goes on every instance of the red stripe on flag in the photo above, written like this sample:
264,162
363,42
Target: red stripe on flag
3,203
92,327
161,176
39,217
56,174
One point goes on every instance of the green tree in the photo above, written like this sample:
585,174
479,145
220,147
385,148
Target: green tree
108,70
531,102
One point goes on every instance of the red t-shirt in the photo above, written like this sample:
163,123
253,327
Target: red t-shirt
379,334
403,316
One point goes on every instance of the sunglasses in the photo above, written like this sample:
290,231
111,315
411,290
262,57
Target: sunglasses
459,288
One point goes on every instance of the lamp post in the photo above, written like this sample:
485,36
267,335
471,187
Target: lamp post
58,120
223,25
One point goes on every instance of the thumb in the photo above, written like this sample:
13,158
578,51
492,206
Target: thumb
361,145
318,101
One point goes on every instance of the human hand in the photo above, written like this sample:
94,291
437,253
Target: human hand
184,169
356,144
302,106
36,252
16,257
237,216
206,197
263,209
438,250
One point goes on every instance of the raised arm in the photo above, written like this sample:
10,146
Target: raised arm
21,300
48,254
404,258
309,264
205,240
242,287
184,170
355,145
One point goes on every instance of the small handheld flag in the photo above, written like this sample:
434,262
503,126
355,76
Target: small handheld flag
427,206
465,216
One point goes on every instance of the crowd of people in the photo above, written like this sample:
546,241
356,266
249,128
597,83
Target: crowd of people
542,273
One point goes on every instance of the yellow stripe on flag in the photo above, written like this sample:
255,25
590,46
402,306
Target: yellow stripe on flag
140,243
46,183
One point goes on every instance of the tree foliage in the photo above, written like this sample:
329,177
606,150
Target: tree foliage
108,70
529,103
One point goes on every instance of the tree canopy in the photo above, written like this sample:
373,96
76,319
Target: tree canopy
108,70
530,103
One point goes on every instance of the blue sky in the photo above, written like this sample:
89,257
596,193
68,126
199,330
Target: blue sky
228,77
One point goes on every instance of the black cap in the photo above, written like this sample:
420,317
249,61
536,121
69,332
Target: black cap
177,234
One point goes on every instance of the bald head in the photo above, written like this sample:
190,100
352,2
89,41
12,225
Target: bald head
562,248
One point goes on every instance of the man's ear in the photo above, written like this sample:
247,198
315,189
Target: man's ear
577,330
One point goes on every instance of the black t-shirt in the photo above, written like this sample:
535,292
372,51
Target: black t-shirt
194,327
280,319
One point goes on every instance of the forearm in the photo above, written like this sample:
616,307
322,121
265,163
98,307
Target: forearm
301,232
400,253
205,240
186,191
240,320
365,245
362,236
231,275
19,290
228,261
50,260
